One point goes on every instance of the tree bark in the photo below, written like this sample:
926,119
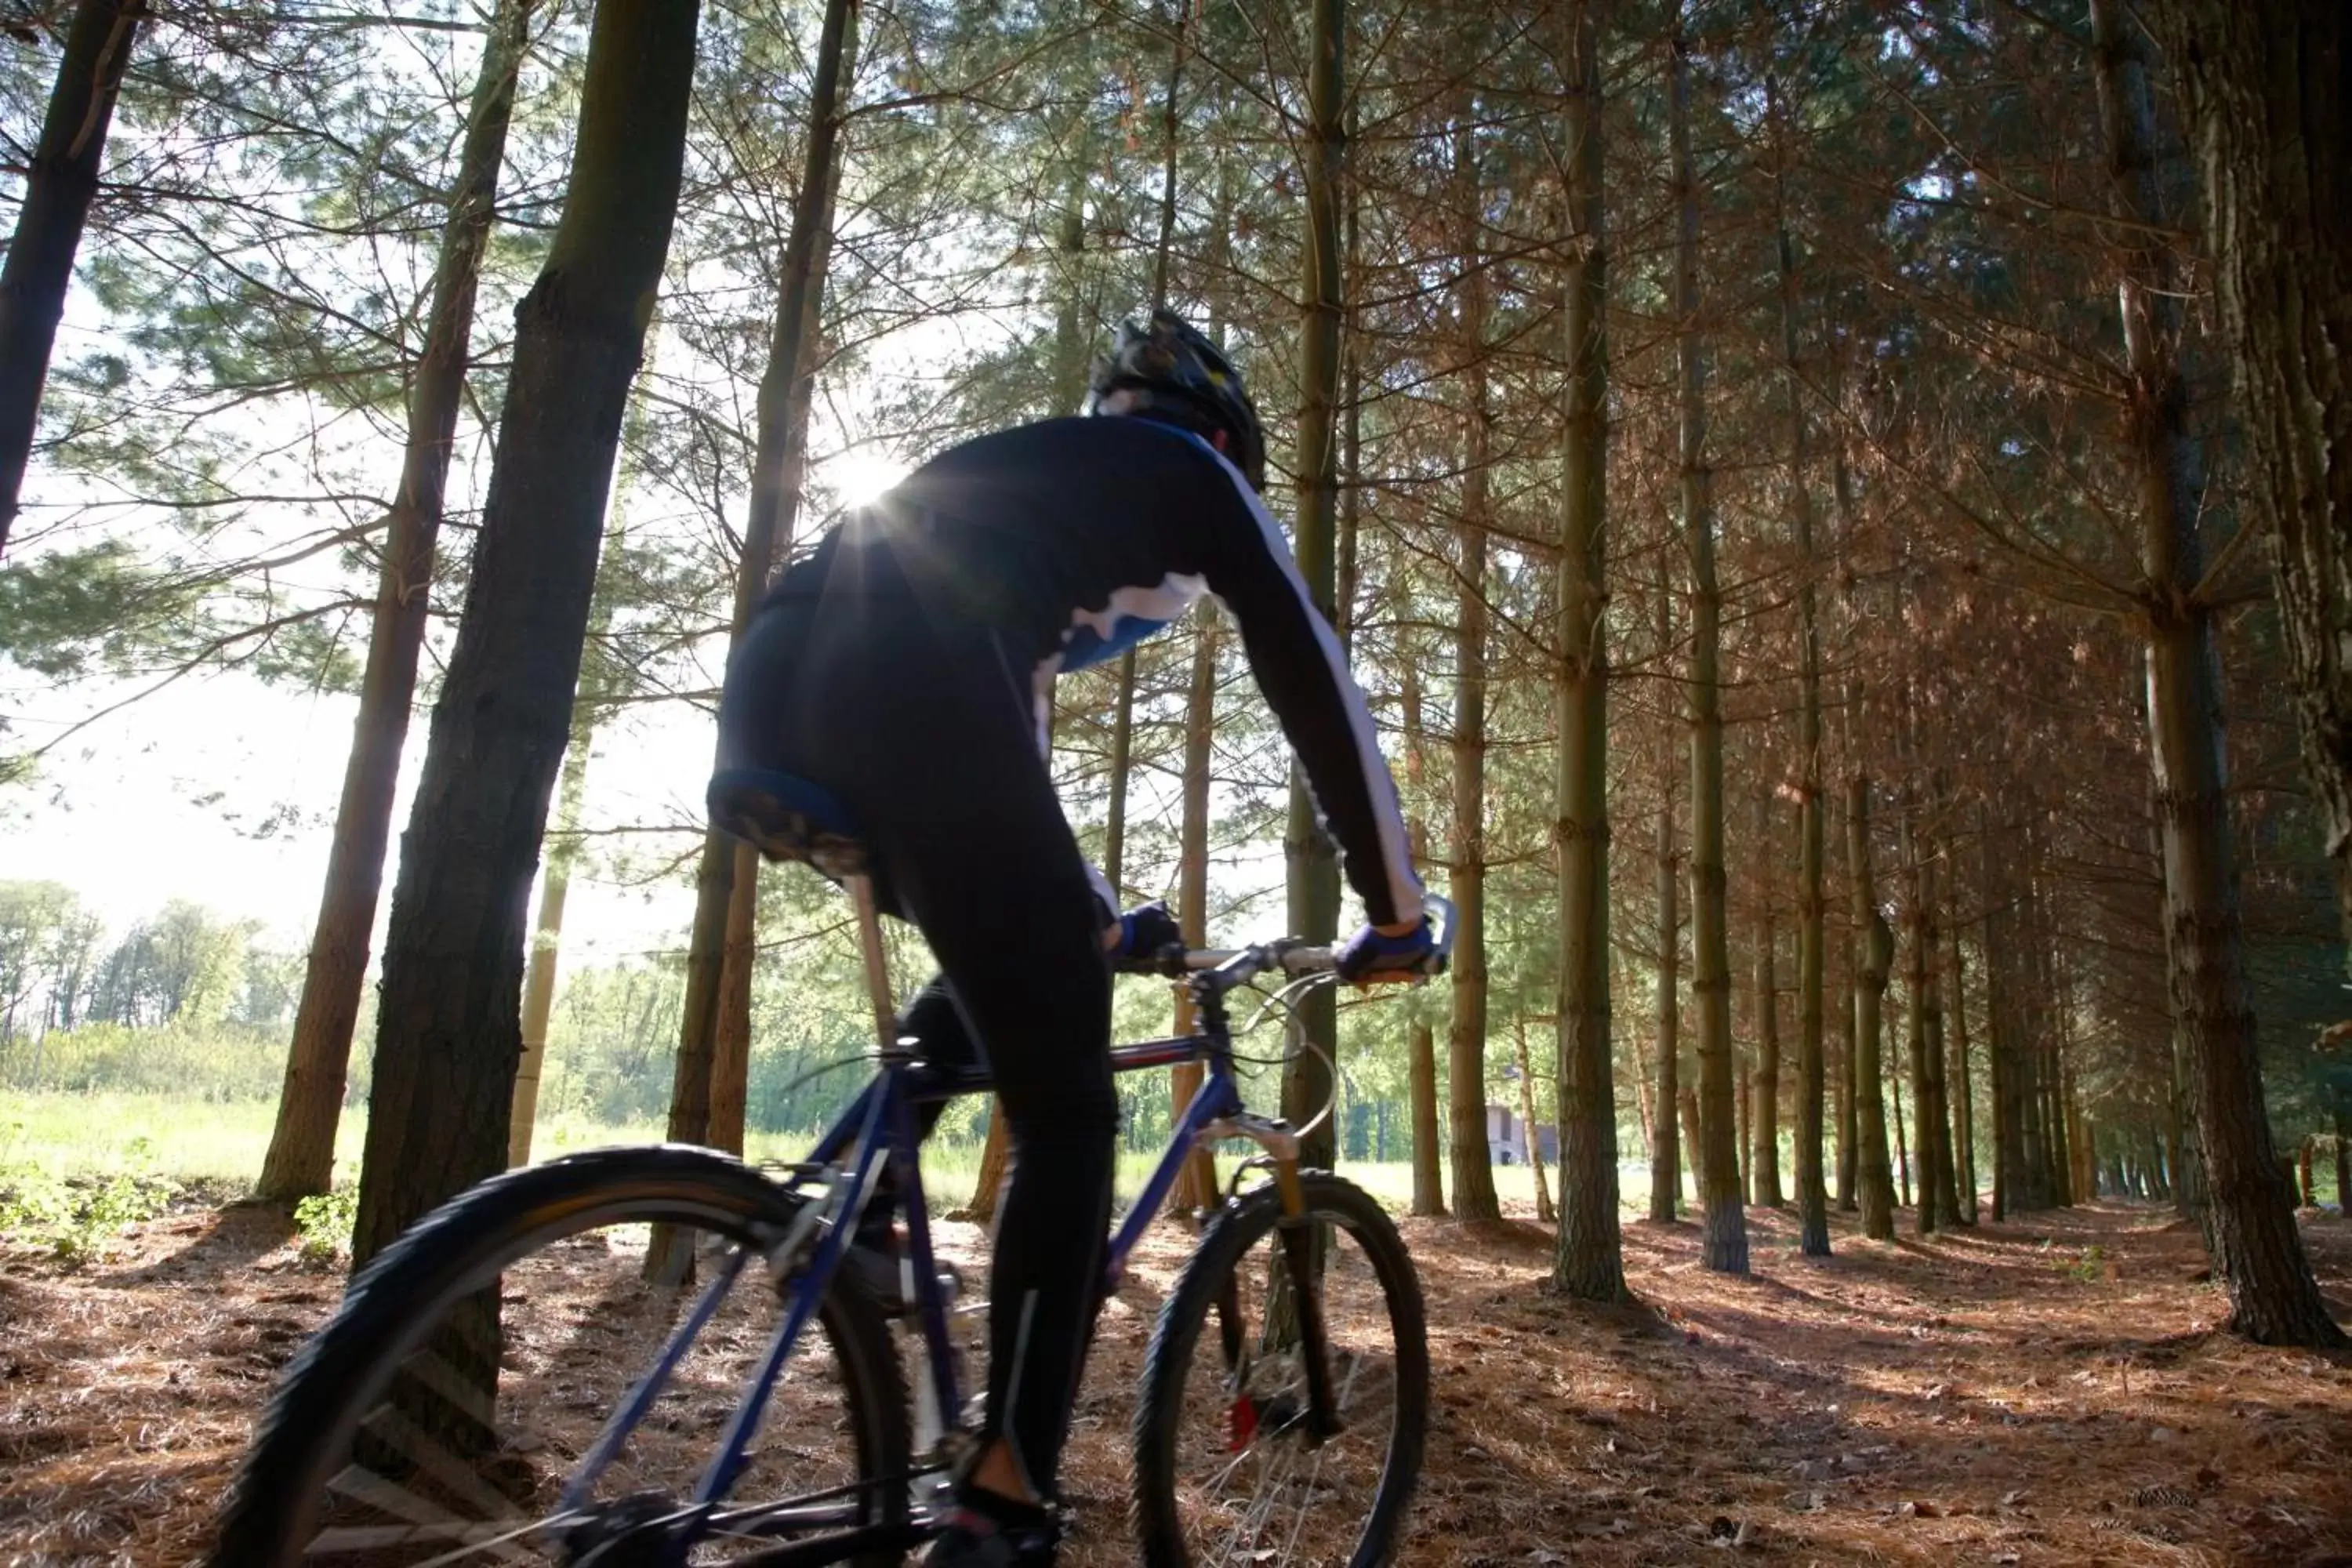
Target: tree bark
1919,1029
726,885
1813,908
1873,959
2249,1225
1764,1112
1587,1262
2270,122
1421,1039
1725,1246
301,1156
1545,1212
2343,1163
1902,1153
450,1027
1474,1172
546,936
1665,1148
1197,1189
1964,1111
60,187
1313,879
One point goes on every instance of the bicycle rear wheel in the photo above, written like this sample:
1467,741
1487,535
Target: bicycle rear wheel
1225,1472
461,1406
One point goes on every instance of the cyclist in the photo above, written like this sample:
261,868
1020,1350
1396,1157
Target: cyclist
907,666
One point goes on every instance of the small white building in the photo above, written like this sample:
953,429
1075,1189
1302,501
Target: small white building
1507,1137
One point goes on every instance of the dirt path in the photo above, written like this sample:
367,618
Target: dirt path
2041,1394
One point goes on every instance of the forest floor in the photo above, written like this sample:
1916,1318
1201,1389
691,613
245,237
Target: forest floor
2049,1391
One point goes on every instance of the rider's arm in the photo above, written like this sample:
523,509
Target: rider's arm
1304,673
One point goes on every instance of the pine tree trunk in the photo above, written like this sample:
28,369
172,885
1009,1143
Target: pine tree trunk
1812,909
1963,1111
1764,1114
2343,1163
300,1158
1545,1212
2264,94
1665,1150
1421,1039
723,915
1902,1153
1725,1246
60,187
1197,1190
1743,1094
547,935
1588,1263
1849,1141
1872,961
2249,1228
1313,869
1474,1172
449,1030
1918,928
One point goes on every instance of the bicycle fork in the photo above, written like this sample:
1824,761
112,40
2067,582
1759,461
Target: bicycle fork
1303,1302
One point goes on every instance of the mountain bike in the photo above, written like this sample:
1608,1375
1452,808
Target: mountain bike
655,1357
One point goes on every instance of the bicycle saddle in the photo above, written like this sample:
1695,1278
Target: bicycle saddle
787,818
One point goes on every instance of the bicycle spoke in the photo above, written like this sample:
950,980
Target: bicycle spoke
1229,1471
608,1405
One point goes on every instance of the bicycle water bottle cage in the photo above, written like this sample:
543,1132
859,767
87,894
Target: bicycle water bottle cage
787,818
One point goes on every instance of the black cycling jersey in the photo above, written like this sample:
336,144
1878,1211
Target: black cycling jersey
1072,539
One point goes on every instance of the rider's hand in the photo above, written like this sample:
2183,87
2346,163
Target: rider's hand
1143,931
1378,953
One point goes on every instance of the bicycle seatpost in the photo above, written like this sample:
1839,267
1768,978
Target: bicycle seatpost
878,963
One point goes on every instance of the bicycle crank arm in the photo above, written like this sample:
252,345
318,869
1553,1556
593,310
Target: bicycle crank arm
838,1546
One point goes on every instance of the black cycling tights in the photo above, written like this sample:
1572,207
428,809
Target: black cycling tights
926,732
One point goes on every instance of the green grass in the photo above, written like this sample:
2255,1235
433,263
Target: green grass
216,1146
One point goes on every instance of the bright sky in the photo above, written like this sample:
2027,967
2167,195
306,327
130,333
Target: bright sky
222,790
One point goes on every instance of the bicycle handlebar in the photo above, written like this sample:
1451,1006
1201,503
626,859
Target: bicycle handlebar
1236,966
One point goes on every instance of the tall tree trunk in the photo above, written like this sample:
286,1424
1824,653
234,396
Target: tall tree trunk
1545,1212
1665,1148
1764,1114
2250,1229
1813,908
1918,1006
60,187
1198,1188
1421,1039
723,917
1588,1263
1313,870
1473,1172
1725,1247
302,1156
1963,1111
547,932
2263,92
1873,958
448,1031
2343,1163
1847,1101
730,1058
1902,1153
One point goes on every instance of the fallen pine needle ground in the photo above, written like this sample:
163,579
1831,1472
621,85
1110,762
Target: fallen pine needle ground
2049,1391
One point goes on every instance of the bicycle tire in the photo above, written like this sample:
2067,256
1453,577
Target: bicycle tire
1234,1239
332,1385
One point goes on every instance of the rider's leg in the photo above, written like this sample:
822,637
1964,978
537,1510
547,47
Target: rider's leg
1025,962
981,856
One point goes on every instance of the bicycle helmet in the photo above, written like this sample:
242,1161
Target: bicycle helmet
1184,378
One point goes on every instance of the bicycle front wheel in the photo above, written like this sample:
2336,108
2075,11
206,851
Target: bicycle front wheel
1226,1471
541,1372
